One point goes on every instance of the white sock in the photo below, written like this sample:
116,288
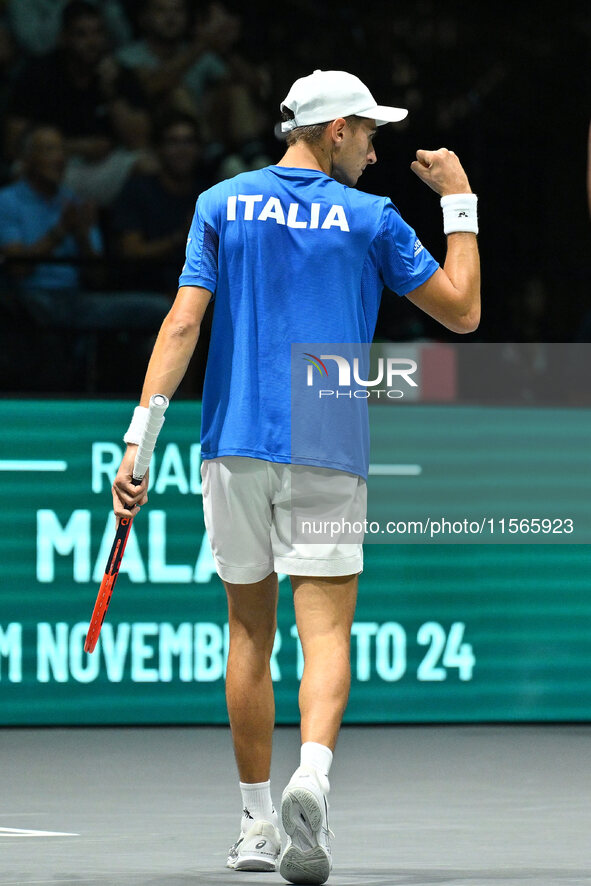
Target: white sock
316,755
257,804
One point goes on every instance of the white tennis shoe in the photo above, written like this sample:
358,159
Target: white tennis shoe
256,850
304,813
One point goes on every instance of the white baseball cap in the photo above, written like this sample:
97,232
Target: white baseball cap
326,95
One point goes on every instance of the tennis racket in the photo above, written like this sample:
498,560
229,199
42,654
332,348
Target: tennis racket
156,410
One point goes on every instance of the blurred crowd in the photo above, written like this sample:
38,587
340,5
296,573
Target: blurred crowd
116,114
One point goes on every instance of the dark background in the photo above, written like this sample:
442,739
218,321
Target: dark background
505,85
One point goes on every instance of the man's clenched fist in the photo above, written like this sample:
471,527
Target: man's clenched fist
442,171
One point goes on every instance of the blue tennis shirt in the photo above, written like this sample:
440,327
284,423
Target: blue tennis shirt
294,259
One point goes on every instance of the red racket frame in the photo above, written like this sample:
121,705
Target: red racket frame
108,583
155,419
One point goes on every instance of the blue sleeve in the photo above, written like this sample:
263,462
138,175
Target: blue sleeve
201,257
402,260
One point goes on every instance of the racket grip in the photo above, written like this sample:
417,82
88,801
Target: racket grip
135,482
156,409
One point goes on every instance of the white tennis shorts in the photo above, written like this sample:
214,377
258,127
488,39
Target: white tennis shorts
262,516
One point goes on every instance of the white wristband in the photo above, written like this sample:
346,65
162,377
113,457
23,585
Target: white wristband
138,423
460,213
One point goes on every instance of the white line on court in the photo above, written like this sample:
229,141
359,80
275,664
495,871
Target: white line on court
32,465
395,470
20,832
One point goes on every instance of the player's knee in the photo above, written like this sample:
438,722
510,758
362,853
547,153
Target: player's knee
256,636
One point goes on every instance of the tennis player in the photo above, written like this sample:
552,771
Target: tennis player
293,253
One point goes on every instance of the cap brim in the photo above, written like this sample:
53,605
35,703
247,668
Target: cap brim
383,114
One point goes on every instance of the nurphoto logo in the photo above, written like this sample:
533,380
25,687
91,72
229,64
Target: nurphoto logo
389,370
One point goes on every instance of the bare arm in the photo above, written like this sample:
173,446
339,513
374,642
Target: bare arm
176,342
452,295
172,352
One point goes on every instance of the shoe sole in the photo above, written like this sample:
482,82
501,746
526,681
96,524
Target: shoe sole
254,863
306,862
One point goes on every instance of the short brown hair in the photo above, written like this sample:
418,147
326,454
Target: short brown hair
313,133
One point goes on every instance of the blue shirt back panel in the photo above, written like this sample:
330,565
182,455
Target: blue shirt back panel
292,256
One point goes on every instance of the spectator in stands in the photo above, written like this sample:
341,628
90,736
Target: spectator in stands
41,218
36,23
151,218
86,94
152,215
236,112
195,67
172,69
